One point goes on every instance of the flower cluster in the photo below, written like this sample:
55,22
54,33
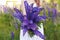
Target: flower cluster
30,20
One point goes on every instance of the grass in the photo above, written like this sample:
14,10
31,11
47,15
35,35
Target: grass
52,31
7,26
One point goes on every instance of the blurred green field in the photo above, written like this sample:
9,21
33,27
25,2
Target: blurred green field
51,30
7,26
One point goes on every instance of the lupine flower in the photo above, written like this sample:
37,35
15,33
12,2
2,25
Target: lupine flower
49,11
5,9
30,20
12,35
54,11
54,14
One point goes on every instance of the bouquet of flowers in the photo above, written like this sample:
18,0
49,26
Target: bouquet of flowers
30,21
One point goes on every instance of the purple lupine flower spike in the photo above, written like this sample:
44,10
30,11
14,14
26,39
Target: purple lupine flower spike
54,14
39,34
54,11
12,35
18,14
5,9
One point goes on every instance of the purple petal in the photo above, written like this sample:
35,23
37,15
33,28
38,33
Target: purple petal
17,11
28,9
33,26
25,23
24,31
31,22
39,34
26,6
37,9
39,18
43,17
35,12
18,14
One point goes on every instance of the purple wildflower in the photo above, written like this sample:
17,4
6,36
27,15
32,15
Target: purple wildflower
12,35
30,20
49,11
54,14
54,11
5,9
